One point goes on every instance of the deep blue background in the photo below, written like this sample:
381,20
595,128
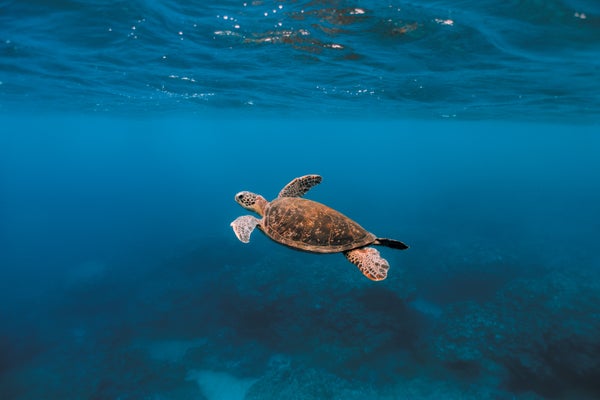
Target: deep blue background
115,232
467,129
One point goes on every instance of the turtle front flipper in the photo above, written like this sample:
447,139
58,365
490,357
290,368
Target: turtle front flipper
299,186
243,227
370,263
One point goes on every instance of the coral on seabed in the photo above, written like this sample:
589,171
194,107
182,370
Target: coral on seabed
543,331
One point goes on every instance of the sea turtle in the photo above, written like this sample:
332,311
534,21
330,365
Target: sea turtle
310,226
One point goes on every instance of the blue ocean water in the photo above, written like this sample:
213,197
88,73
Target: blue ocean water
468,130
529,59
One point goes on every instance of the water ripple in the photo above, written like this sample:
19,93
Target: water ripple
431,59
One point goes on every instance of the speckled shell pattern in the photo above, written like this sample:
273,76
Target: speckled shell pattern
310,226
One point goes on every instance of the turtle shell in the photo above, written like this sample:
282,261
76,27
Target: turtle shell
307,225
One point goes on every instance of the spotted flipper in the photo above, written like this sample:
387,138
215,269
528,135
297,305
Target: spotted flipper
370,263
299,186
243,227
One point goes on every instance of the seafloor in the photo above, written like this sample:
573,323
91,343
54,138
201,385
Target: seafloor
228,321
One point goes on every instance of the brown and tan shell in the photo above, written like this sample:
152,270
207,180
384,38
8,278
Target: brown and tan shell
310,226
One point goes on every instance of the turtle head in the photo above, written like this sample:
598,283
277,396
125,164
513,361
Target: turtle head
251,201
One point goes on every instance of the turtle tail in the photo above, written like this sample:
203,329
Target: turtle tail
394,244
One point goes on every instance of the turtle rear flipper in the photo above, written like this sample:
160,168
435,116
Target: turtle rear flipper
243,227
394,244
370,263
299,186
